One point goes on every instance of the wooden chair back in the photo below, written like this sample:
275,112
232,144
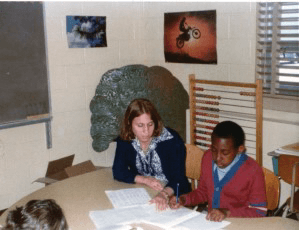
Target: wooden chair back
285,168
272,189
193,163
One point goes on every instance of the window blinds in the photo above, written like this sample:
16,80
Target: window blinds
277,47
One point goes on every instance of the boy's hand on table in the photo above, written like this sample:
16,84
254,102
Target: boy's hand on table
218,214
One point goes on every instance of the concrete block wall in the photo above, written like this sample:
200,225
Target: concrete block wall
135,32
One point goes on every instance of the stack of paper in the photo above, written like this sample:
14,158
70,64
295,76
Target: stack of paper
292,149
131,206
179,219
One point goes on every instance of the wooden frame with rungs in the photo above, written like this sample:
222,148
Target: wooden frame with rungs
254,91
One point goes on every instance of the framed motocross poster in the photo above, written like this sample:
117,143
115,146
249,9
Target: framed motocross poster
190,37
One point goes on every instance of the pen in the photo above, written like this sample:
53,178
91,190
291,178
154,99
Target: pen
177,192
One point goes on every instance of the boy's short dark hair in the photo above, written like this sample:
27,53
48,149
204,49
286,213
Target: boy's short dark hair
37,215
229,129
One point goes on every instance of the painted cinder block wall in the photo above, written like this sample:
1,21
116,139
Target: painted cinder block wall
135,36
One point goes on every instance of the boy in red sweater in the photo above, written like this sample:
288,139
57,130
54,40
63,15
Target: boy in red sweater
231,182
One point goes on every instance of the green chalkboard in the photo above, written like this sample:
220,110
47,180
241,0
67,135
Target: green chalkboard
23,63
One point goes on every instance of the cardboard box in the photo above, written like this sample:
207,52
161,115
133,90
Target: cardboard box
62,168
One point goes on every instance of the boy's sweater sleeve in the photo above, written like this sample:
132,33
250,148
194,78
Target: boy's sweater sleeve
196,197
120,168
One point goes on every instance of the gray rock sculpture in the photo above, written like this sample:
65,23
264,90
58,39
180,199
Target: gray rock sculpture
118,87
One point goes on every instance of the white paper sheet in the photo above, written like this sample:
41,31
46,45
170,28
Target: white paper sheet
287,152
200,223
179,219
168,218
104,218
131,205
128,197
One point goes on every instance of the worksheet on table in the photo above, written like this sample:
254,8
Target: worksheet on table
115,217
128,197
179,219
200,223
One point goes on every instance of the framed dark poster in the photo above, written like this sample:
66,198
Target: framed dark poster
190,37
24,92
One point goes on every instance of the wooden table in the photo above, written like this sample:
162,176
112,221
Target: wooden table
81,194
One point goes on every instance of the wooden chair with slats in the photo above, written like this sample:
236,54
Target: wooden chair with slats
193,164
272,190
